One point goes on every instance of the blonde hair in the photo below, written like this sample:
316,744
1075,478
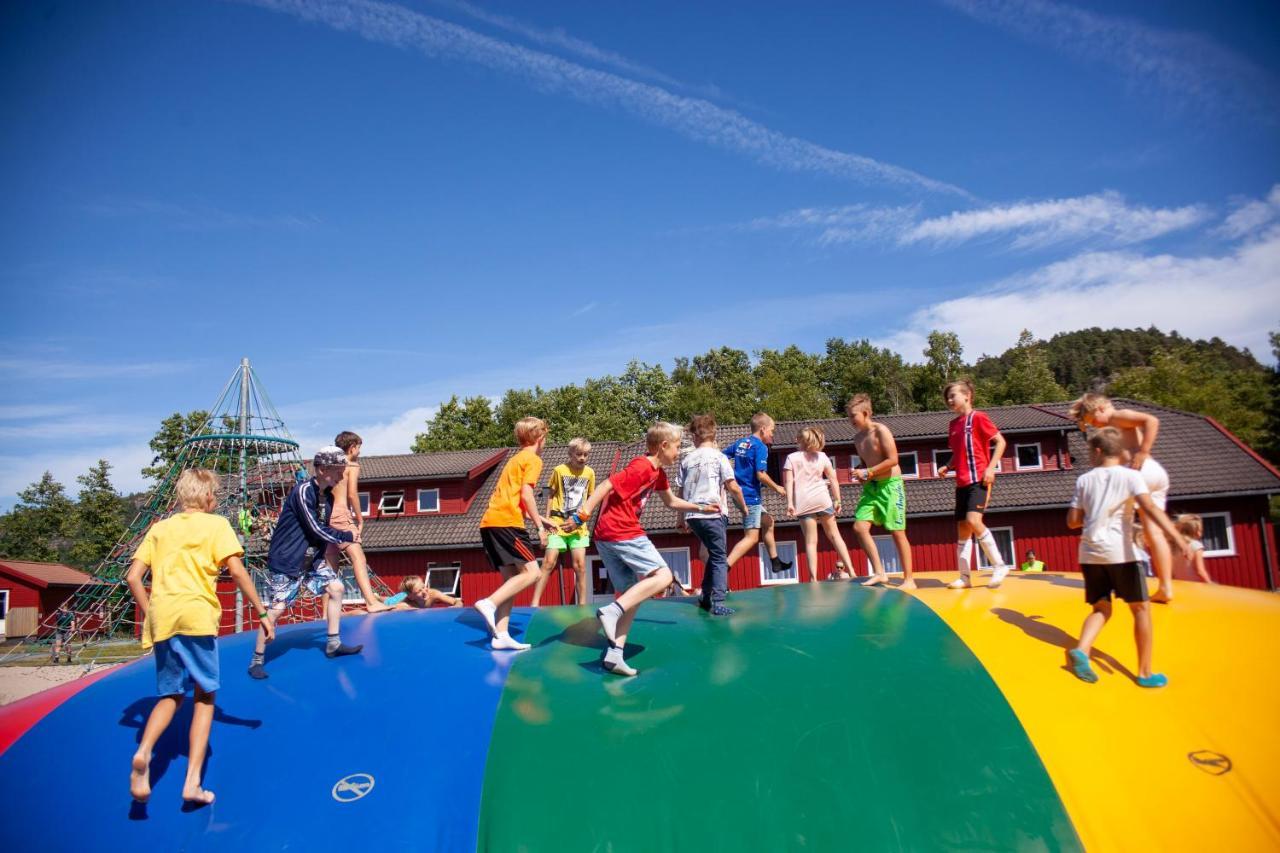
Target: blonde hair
579,444
660,432
529,430
411,584
1087,405
966,384
196,486
759,421
703,428
811,438
858,401
1190,525
1108,441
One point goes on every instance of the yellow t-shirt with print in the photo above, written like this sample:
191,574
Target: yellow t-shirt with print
504,507
185,553
569,491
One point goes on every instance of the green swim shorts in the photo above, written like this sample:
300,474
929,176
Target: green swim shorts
883,502
569,541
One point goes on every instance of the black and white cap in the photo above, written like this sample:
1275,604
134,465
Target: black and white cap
327,457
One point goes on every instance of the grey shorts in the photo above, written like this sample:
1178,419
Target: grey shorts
284,588
629,560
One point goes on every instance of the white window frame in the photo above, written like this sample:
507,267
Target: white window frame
688,561
914,455
455,567
1017,460
991,452
4,610
595,564
382,503
951,472
768,578
1231,538
365,500
855,462
882,542
421,492
1013,547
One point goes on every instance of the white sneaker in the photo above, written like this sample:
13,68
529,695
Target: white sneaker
507,644
961,582
998,574
486,609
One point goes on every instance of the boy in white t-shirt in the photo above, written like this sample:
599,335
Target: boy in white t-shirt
1102,508
813,496
706,477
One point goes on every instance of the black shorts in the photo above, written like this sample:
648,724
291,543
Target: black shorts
505,546
1124,579
970,499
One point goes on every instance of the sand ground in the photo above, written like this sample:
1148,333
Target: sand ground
18,682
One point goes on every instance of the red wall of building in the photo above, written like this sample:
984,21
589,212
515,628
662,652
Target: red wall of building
455,496
21,593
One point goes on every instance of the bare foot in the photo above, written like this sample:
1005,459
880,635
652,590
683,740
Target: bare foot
197,796
911,584
375,606
1162,596
874,580
140,778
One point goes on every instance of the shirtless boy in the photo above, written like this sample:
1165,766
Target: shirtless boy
884,498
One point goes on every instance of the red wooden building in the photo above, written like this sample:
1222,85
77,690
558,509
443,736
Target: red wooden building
31,591
424,509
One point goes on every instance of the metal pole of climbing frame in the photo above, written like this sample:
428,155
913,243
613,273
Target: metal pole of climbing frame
244,487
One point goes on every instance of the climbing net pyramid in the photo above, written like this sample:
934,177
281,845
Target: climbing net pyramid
246,443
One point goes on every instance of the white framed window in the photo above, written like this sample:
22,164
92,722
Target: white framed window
364,502
786,552
889,558
391,503
1026,457
1004,544
909,462
999,460
444,577
855,462
1219,541
428,500
677,560
4,608
940,458
601,588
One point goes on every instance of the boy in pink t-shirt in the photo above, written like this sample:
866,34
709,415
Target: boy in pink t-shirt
813,496
636,569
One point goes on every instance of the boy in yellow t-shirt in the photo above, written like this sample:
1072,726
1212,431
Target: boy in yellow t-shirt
504,537
180,620
571,484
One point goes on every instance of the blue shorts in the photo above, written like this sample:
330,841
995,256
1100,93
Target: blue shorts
751,521
182,660
629,560
284,588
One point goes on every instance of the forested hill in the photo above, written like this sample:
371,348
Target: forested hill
1210,377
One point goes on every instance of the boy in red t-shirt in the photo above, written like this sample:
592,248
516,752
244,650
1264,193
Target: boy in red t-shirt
635,567
969,436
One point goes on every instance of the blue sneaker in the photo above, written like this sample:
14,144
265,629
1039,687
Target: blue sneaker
1079,663
721,610
1156,679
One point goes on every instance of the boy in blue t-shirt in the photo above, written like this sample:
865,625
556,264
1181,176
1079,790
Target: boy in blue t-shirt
750,458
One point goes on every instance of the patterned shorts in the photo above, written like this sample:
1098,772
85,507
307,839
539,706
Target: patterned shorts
284,588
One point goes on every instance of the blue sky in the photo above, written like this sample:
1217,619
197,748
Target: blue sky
381,204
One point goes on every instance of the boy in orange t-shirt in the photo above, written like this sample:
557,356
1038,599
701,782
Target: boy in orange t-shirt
504,537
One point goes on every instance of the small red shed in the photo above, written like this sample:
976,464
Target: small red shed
29,591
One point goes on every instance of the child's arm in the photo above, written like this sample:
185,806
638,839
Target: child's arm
1148,425
588,507
669,498
789,484
353,494
531,509
997,453
245,584
319,530
735,491
1075,518
1198,562
1156,514
134,578
833,484
889,449
542,531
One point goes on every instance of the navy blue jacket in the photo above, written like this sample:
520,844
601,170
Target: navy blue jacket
301,534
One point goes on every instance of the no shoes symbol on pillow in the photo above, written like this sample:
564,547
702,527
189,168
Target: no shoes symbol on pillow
351,788
1213,763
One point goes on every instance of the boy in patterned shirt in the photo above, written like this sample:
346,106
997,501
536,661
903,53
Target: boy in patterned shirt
571,484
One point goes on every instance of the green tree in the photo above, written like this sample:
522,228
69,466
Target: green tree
1194,380
852,367
99,517
464,425
1028,379
789,387
41,525
719,381
943,361
167,442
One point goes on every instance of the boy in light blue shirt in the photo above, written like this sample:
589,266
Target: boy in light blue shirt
750,458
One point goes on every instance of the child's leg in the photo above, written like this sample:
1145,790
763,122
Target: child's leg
1143,636
749,539
160,718
549,561
766,531
904,557
831,528
579,558
360,566
1093,625
273,614
862,530
985,540
809,527
517,579
639,593
1161,559
333,646
201,722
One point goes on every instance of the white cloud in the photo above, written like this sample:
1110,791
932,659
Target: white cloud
693,118
1249,216
127,460
1232,296
1104,218
1192,68
394,435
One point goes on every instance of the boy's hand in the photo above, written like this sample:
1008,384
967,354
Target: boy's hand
862,474
943,469
1138,459
779,489
682,525
268,630
355,536
989,477
837,505
548,525
712,507
791,510
542,537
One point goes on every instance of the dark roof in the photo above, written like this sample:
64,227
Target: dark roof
1202,458
428,466
47,574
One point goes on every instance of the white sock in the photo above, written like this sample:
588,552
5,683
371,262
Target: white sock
988,543
964,550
